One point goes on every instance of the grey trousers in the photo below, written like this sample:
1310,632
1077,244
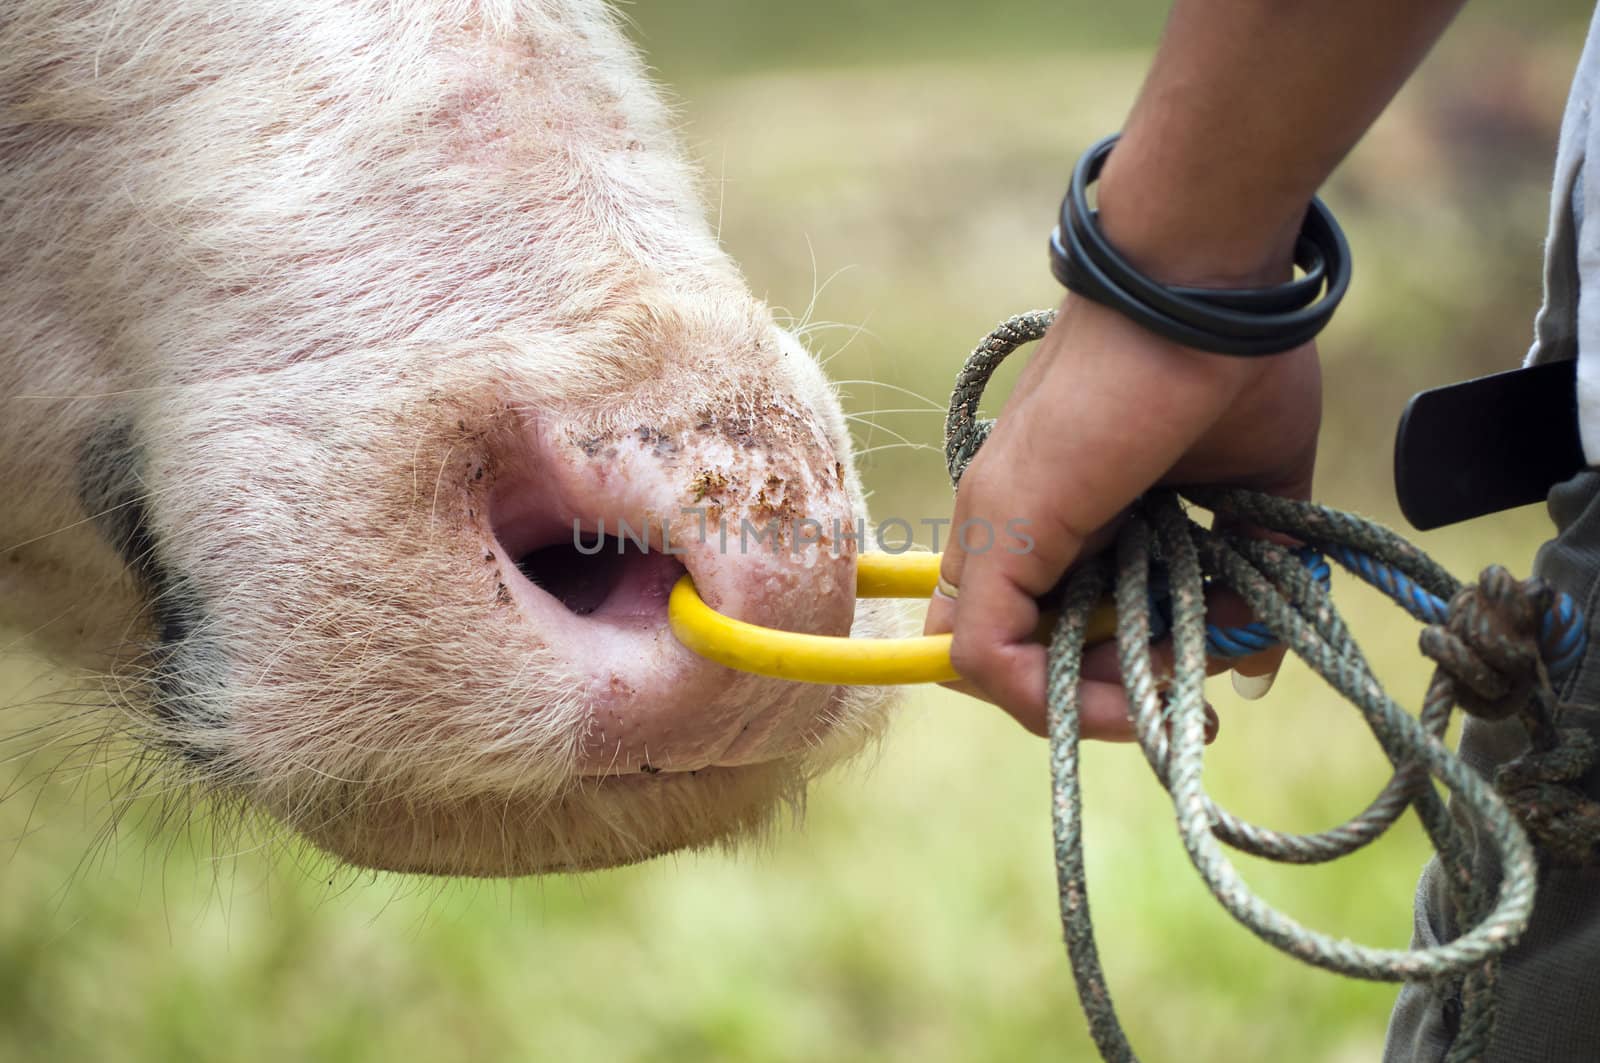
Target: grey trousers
1548,995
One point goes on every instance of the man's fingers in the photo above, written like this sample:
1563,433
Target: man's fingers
1062,462
1103,713
1254,687
941,617
987,583
993,647
1253,675
1104,717
1019,686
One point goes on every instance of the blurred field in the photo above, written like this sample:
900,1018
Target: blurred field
891,167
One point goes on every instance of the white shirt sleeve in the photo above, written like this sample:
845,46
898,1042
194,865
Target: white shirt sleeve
1568,323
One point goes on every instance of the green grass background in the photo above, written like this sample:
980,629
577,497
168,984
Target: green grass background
885,171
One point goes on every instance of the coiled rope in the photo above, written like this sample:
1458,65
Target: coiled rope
1497,646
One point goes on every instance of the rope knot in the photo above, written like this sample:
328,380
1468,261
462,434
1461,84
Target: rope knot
1542,788
1501,640
1489,643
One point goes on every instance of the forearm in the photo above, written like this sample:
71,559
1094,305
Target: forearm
1248,107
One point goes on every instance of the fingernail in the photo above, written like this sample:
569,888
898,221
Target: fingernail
1213,725
1253,687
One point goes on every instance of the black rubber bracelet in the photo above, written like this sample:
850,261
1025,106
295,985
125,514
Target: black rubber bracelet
1237,321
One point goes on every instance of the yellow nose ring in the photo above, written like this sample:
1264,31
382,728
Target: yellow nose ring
832,659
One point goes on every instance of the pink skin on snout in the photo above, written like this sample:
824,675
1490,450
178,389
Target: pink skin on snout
408,660
721,497
325,351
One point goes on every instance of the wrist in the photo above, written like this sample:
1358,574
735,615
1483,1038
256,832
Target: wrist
1201,229
1235,296
1111,346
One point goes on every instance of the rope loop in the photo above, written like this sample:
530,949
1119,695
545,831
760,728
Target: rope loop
964,432
1497,644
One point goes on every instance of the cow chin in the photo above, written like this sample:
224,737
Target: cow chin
596,823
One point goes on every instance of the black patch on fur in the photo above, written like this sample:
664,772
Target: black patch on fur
111,488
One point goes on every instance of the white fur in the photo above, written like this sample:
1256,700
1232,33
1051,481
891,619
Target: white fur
328,263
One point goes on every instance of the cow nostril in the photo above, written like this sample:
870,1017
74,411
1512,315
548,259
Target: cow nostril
604,575
579,579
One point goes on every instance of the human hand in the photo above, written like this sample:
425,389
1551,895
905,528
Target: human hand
1104,411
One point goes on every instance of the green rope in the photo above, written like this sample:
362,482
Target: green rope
1489,662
